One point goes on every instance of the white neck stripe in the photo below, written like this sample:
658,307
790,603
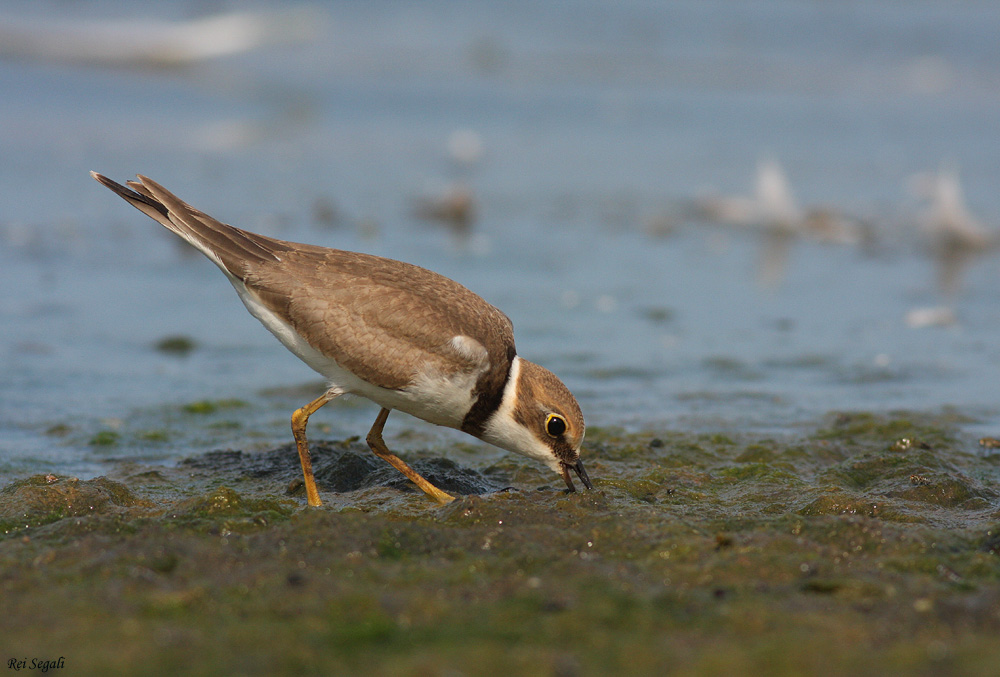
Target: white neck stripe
503,430
509,398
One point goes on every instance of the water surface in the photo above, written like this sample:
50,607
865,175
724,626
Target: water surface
600,125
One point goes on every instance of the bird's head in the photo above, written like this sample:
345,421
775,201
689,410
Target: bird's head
539,418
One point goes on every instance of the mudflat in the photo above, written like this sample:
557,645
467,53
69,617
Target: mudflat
869,544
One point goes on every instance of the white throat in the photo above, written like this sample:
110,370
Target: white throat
503,430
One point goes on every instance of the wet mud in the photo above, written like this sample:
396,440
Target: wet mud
343,467
867,545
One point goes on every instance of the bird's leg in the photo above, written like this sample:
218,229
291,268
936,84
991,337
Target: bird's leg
299,421
378,447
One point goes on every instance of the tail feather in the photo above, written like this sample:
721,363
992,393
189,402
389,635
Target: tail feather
228,247
144,203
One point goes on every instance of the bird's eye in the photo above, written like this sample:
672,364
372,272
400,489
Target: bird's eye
555,425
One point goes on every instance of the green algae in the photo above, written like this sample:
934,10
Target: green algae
838,551
157,435
179,346
43,499
105,438
213,406
225,502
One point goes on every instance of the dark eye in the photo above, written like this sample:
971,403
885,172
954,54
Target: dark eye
555,425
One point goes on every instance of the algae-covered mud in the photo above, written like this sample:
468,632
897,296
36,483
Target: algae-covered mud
868,545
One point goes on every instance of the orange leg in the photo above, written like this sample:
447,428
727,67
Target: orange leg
299,421
379,449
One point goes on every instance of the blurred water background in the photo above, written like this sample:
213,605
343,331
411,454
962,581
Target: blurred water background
719,215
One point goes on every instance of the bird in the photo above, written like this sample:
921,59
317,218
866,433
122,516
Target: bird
455,207
400,335
774,210
952,232
947,220
771,208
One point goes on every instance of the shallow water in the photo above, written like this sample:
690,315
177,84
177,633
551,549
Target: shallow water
599,127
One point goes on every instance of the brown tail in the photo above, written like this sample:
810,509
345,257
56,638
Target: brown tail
146,205
228,247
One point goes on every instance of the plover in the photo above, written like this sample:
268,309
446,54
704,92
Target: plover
400,335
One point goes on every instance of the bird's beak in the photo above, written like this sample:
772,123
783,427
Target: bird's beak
580,472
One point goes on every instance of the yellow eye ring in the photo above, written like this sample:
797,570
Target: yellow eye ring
555,425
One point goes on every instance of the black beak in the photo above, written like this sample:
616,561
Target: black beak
580,472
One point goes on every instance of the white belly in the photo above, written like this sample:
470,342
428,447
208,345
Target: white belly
433,396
